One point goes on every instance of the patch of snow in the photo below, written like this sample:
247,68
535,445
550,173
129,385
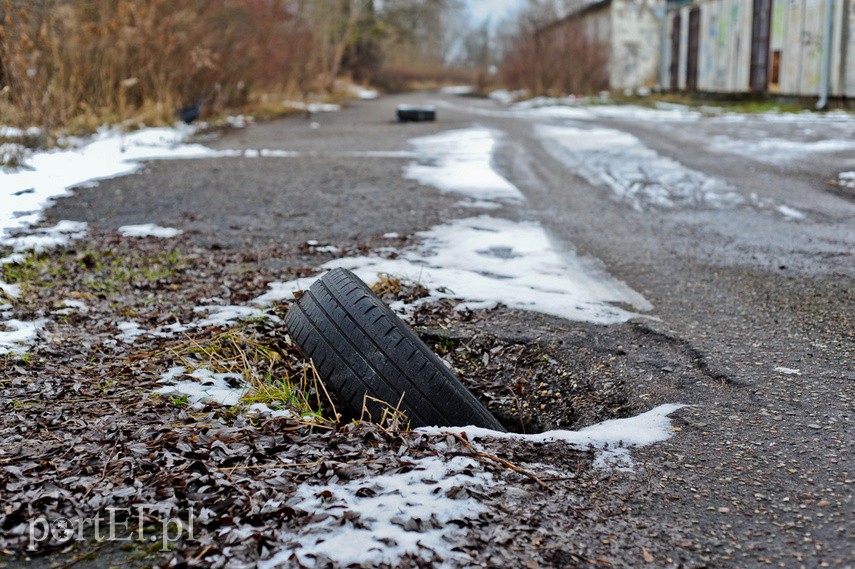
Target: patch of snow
846,179
459,161
457,90
10,290
490,260
171,374
313,107
149,230
71,306
391,235
778,150
51,174
267,153
505,97
479,204
582,109
366,93
789,212
238,121
221,388
328,249
226,316
17,335
169,330
12,132
611,439
788,371
636,174
376,521
45,238
262,410
130,331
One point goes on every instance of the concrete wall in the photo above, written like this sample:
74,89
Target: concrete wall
796,35
846,73
635,50
725,46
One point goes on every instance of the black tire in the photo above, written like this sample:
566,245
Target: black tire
360,347
409,113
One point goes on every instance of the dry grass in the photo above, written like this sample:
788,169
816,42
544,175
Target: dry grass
391,418
264,367
82,63
386,284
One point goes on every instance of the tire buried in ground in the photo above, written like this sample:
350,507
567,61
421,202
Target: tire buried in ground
362,350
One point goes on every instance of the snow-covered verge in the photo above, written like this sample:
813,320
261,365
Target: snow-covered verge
372,521
778,150
368,522
48,175
602,107
611,439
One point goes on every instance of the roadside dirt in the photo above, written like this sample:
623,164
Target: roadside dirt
83,433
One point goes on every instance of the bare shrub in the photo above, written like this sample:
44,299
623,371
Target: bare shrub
84,61
560,58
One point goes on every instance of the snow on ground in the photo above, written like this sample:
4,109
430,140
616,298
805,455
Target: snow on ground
778,150
377,520
486,261
313,107
47,175
458,161
374,521
582,109
633,172
149,230
205,387
130,331
612,439
17,335
45,238
846,180
110,153
639,176
457,90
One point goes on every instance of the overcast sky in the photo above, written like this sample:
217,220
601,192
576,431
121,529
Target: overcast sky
494,9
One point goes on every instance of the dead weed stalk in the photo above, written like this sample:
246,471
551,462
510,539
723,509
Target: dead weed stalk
391,420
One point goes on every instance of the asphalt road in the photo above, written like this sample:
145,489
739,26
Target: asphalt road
761,470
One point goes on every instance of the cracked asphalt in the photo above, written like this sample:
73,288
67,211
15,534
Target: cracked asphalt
760,471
